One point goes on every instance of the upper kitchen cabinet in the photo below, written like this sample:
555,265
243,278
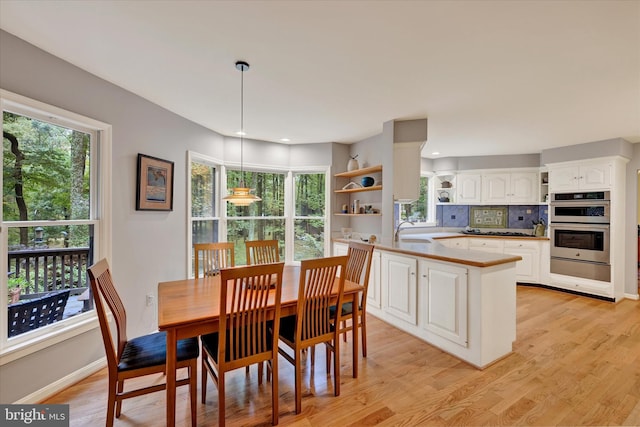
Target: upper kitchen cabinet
510,188
585,175
469,188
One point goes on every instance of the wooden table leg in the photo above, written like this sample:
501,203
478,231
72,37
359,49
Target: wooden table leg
354,322
172,343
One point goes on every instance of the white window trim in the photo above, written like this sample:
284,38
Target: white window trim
31,342
431,204
288,202
192,157
292,217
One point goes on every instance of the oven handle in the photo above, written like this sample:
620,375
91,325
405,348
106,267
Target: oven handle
568,203
575,225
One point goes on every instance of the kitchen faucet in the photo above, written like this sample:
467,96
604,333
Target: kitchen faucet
395,235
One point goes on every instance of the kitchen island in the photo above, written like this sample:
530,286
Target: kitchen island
461,301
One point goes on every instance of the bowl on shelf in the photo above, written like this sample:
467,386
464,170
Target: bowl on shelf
367,181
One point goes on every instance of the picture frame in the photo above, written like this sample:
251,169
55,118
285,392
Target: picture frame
154,187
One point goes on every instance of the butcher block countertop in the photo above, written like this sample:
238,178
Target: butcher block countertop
428,247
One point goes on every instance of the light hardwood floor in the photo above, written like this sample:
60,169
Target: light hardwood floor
576,361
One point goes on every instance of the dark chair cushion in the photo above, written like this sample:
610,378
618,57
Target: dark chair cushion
210,342
347,308
151,350
288,327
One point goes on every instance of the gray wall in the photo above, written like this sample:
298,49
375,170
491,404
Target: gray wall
483,162
632,214
148,247
590,150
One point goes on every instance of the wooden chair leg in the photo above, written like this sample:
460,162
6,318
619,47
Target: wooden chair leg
363,332
193,392
119,401
203,384
269,371
260,374
336,365
275,414
328,358
111,403
344,326
221,391
298,374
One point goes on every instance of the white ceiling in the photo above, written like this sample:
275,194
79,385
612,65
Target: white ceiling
492,77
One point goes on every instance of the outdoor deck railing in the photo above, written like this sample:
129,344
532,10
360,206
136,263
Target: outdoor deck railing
49,270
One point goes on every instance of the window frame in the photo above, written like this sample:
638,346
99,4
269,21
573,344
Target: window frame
292,206
194,157
430,201
289,207
99,216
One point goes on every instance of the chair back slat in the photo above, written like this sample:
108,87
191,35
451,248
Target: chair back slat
359,265
102,288
244,310
317,278
210,258
262,252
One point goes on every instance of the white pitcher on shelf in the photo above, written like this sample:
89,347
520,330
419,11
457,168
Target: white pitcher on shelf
353,165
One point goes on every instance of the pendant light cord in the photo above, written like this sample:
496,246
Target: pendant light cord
242,126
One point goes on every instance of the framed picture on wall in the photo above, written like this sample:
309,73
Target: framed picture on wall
154,190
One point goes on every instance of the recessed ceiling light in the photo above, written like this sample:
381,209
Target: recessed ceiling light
285,140
241,133
435,153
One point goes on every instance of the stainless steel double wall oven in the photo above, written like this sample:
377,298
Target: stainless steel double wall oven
579,231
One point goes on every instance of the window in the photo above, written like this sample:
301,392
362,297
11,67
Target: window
52,228
263,220
422,211
205,220
309,216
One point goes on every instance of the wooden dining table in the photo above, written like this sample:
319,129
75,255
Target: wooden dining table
191,307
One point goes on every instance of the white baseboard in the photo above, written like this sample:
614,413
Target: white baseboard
53,388
632,296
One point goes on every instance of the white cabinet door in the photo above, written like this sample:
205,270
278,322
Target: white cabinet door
528,269
443,296
510,188
373,291
468,188
523,188
340,249
486,245
563,178
399,282
580,176
594,176
496,188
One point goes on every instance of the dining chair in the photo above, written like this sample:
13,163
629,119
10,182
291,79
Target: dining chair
312,323
262,251
249,298
136,357
358,270
211,257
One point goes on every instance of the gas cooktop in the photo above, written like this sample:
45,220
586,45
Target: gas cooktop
496,233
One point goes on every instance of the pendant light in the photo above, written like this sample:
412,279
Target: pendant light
241,195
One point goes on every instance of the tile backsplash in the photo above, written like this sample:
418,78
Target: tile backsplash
519,216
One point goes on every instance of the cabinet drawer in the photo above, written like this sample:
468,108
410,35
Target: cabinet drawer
488,245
